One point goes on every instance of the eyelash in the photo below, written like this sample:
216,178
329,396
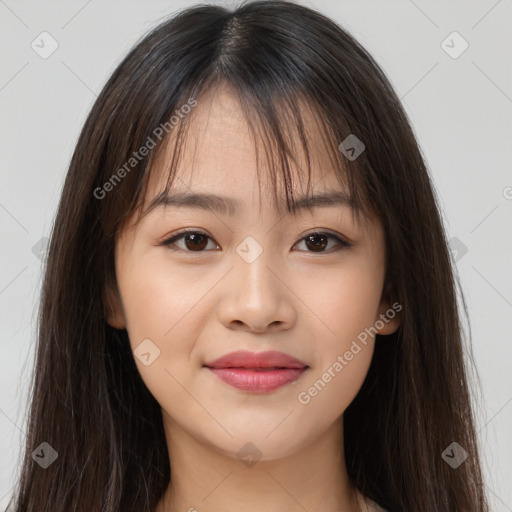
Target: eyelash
180,234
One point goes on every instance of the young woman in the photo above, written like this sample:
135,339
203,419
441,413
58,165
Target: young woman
248,302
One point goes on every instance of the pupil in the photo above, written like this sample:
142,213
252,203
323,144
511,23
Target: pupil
320,245
196,241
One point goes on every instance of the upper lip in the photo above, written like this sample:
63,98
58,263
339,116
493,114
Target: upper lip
246,359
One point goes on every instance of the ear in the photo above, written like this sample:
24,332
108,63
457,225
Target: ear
388,317
113,309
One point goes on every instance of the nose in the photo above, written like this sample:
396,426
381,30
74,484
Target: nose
257,298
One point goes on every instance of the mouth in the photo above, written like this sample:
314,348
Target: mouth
260,372
269,360
258,380
255,369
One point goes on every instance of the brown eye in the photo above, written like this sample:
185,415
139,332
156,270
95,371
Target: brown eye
317,242
193,241
197,241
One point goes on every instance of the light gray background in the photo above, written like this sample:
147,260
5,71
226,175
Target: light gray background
460,109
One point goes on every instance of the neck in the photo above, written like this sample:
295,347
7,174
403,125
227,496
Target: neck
313,478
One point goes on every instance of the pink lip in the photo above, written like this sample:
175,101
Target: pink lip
257,372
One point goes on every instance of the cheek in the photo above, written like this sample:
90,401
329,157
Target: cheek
344,301
164,307
157,299
346,306
330,390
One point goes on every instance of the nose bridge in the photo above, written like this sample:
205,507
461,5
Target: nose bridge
252,263
255,296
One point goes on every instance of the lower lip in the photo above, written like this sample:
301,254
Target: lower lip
258,381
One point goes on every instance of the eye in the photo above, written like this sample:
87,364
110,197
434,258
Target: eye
317,241
197,241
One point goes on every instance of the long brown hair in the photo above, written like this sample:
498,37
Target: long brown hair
88,401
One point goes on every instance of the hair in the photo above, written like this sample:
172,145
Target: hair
87,399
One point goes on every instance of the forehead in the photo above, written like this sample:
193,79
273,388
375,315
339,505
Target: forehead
223,154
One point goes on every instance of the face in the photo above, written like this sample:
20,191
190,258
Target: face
251,279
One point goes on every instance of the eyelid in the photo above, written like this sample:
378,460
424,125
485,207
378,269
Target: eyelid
343,242
176,236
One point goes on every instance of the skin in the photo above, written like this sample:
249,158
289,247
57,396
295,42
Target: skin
197,306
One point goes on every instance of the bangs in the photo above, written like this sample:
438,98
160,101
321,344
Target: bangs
282,125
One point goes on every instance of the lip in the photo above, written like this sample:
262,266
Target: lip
257,372
254,360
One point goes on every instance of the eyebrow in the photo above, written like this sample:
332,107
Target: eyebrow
229,206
